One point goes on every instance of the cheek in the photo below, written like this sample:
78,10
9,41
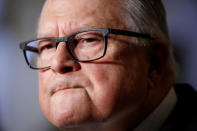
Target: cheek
43,97
116,86
106,86
43,78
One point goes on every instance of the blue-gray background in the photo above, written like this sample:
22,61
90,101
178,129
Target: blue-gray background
19,106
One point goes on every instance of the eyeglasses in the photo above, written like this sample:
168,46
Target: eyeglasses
83,46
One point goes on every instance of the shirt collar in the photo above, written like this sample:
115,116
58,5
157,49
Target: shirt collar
155,120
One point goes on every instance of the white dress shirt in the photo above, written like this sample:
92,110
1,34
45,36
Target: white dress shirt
157,118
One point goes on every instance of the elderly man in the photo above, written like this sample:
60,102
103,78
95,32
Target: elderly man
103,64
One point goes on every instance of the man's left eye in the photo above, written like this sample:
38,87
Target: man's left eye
88,40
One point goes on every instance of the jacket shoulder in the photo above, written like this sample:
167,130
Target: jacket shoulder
184,115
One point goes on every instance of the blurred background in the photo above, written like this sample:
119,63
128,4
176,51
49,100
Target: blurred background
19,104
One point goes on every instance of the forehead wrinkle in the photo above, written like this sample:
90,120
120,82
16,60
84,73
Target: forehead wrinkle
71,27
88,22
94,17
74,22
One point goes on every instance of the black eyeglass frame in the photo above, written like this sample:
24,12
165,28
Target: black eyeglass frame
104,31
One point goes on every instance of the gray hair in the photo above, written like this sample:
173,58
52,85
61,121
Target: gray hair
149,16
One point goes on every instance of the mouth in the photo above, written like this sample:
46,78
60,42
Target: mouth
62,89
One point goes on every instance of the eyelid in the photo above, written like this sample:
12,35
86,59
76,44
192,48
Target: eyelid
45,41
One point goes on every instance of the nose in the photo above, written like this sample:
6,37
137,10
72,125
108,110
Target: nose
62,61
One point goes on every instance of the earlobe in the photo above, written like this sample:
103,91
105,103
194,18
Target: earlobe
158,55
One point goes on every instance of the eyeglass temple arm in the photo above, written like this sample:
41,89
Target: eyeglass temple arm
130,33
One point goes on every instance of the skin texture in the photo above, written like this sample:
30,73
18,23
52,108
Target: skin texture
99,95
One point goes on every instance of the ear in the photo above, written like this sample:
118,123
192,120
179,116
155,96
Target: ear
158,55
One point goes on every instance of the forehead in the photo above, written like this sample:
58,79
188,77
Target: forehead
76,14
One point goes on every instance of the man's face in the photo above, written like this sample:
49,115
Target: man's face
77,93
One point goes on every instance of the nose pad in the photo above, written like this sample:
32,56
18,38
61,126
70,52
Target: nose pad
62,61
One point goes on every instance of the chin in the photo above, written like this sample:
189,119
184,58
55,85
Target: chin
69,118
69,108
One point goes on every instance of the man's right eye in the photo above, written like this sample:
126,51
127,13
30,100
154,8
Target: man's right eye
49,46
46,46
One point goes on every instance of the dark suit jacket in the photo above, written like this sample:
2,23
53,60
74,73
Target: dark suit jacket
184,115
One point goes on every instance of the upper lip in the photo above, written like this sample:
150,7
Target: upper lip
59,89
59,84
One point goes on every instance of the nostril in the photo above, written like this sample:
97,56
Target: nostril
67,69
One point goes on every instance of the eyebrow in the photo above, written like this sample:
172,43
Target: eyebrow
86,27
